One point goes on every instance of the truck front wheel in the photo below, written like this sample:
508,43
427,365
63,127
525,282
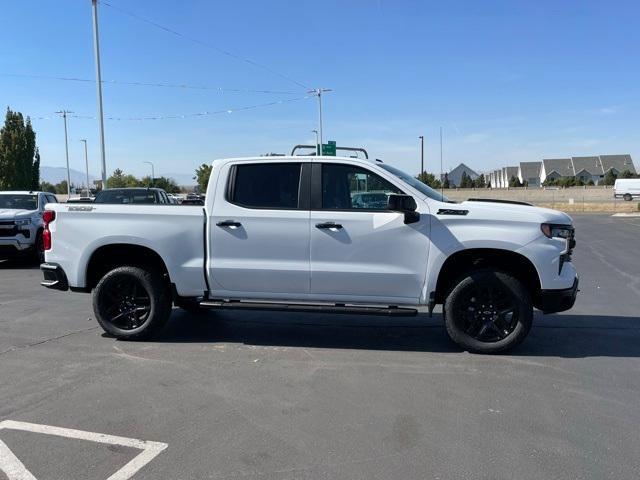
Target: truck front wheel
488,312
131,303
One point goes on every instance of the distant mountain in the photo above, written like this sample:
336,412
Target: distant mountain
57,174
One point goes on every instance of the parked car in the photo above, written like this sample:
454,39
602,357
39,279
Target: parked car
173,199
80,200
282,233
192,201
626,188
121,196
21,223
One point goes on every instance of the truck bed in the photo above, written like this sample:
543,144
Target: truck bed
174,232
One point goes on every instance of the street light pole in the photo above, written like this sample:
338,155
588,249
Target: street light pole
318,92
66,149
441,177
318,147
421,137
96,50
86,162
153,172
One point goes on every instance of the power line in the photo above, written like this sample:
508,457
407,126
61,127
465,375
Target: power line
204,44
186,115
149,84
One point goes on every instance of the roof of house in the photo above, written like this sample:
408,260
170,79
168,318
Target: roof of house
511,171
618,162
562,166
530,169
464,168
590,165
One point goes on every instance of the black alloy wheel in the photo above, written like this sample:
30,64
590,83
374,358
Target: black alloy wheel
488,311
132,303
126,303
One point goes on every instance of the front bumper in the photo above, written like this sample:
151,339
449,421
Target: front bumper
552,301
13,244
54,277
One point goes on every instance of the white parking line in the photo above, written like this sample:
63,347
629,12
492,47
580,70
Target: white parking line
15,470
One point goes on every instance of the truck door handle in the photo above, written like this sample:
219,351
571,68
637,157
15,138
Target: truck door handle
328,225
229,223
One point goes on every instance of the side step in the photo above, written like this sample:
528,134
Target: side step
311,308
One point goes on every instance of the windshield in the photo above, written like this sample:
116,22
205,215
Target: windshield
19,202
415,183
115,196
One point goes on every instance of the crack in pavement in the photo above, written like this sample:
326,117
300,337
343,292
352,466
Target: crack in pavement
46,340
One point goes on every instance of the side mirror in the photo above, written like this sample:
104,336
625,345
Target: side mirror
404,204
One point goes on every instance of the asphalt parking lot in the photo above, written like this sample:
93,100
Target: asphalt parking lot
247,395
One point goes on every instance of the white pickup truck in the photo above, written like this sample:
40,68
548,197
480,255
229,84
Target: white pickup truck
324,234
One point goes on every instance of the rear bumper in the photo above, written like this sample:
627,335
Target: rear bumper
54,277
552,301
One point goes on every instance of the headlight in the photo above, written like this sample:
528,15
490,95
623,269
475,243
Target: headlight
23,221
557,231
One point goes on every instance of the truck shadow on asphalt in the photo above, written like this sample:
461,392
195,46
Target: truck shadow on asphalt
570,336
19,263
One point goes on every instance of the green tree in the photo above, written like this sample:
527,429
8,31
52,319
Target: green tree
627,174
480,182
609,178
47,187
167,184
429,179
61,187
120,180
203,172
515,181
465,181
18,153
446,183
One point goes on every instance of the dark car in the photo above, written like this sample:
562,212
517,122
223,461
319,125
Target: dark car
138,196
192,201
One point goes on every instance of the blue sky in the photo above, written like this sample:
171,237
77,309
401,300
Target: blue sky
508,81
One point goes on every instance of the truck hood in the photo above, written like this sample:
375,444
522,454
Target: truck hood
11,214
520,212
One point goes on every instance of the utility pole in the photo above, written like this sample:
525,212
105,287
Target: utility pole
318,92
441,177
421,137
96,50
318,147
153,172
66,149
86,162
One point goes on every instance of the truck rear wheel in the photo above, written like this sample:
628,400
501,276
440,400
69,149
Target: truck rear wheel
627,197
132,303
488,312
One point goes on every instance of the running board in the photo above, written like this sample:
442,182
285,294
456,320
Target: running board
311,308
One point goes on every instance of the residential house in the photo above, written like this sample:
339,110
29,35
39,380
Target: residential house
507,174
529,173
617,164
555,169
587,169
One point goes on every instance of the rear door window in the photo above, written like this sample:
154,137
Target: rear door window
265,185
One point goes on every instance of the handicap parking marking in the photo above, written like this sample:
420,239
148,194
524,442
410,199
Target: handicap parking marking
14,469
